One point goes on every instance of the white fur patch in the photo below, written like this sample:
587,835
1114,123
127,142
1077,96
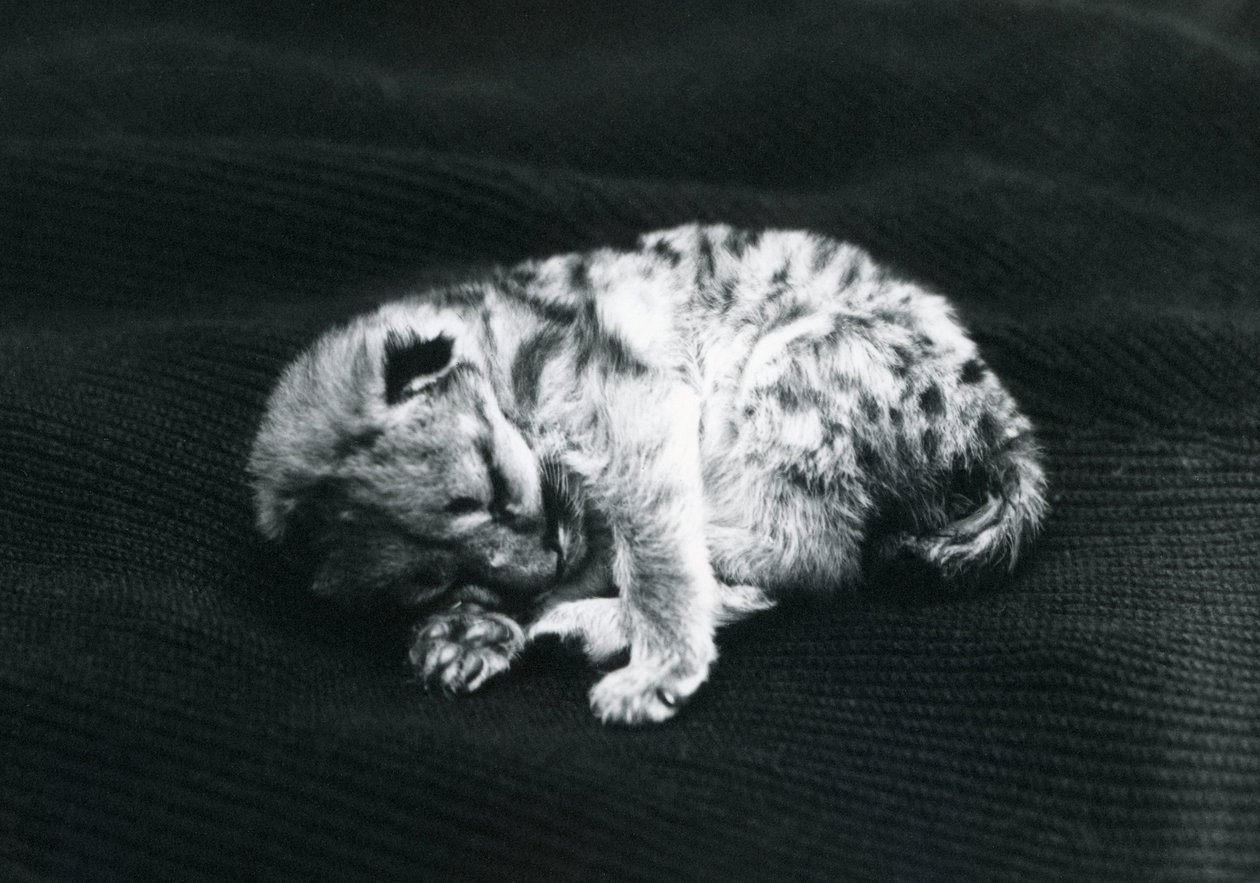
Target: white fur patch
636,308
860,359
801,429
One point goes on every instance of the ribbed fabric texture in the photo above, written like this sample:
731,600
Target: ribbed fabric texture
186,201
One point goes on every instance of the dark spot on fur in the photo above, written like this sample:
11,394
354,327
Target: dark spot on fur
894,416
990,430
931,440
667,252
522,277
780,276
925,343
705,265
849,276
787,317
551,311
931,401
973,371
824,252
867,457
528,364
520,283
409,358
618,357
870,407
605,348
787,397
889,317
810,482
902,359
579,274
726,292
739,241
590,333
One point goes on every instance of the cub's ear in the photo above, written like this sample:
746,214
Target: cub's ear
409,360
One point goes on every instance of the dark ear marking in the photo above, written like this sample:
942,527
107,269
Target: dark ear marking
408,358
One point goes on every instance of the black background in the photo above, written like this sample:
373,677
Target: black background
189,192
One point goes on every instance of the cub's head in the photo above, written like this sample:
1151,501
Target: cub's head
384,455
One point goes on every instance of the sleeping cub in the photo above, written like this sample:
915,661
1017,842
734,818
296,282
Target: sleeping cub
631,448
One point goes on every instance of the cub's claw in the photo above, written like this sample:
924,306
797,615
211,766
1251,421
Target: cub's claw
639,694
461,649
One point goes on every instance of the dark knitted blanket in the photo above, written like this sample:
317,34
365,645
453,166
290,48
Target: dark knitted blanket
190,192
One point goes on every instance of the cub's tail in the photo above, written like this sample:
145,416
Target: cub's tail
986,526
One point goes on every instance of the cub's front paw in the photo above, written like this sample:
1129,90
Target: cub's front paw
644,693
459,650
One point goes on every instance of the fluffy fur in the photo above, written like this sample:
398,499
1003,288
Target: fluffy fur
630,448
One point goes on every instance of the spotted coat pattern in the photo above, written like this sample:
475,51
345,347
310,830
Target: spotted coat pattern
628,448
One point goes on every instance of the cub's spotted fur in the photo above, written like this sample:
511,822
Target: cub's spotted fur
630,448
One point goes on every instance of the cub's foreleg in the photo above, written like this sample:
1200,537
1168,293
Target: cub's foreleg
651,495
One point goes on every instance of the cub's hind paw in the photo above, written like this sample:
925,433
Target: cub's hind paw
459,650
639,694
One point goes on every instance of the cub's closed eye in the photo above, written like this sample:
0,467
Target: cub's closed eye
464,506
410,358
